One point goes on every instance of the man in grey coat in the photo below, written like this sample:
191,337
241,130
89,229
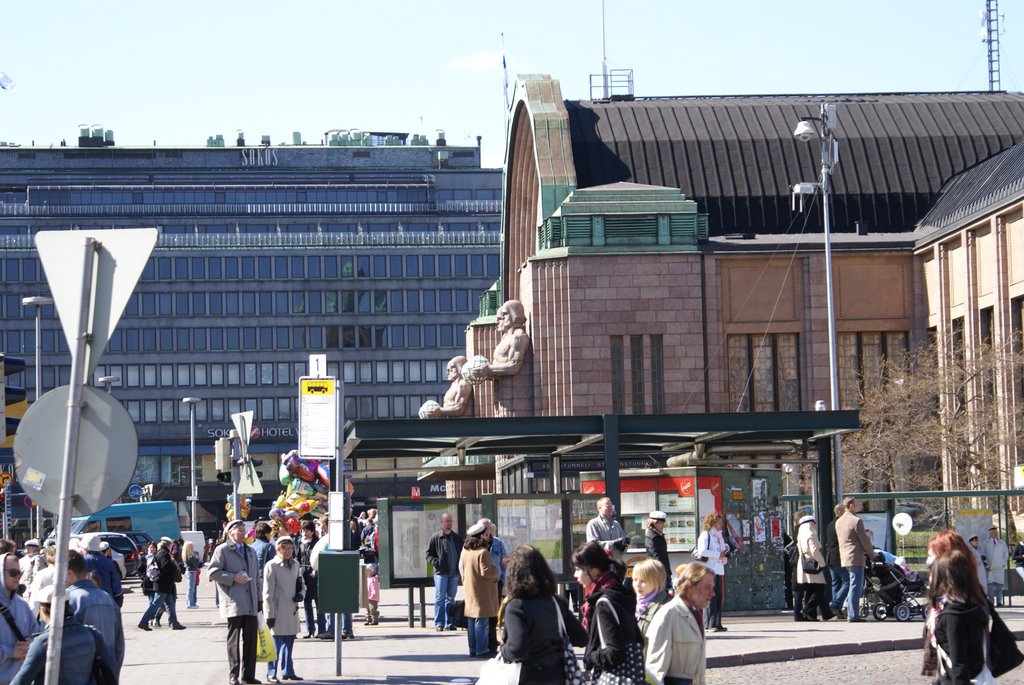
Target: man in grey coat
239,587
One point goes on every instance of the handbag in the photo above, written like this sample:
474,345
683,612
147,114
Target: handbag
631,670
1003,652
570,665
497,671
810,565
102,674
265,649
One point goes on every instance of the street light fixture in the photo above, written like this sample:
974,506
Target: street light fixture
108,381
38,301
192,402
825,132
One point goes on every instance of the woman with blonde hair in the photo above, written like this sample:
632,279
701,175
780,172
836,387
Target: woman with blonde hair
713,551
649,585
677,644
192,563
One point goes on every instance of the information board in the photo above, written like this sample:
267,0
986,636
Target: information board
318,417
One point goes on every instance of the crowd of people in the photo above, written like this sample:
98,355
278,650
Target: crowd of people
652,624
92,634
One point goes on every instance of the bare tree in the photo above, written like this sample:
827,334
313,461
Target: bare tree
931,423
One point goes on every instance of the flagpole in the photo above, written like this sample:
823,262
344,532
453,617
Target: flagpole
504,69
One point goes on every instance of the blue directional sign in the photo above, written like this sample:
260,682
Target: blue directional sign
135,491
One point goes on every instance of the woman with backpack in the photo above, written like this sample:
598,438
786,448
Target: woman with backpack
149,573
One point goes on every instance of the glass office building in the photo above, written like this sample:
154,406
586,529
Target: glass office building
373,254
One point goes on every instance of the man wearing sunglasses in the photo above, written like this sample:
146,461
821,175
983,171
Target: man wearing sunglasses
18,625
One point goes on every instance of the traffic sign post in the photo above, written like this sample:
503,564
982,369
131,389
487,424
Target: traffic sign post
91,274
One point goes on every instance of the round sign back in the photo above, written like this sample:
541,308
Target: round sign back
108,448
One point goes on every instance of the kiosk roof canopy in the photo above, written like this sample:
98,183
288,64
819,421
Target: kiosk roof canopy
592,436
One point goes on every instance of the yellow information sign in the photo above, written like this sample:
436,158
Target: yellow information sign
313,387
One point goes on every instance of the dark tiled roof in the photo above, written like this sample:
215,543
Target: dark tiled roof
978,189
736,156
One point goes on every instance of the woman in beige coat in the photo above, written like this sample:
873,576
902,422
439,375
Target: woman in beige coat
282,594
676,646
480,578
809,597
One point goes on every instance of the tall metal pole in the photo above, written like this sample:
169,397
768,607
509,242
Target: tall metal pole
191,402
827,144
38,301
67,488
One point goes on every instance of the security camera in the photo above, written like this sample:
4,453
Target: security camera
805,131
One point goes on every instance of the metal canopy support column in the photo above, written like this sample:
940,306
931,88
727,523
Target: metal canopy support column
612,482
826,503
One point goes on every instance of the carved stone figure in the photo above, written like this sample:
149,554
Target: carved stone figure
510,353
456,400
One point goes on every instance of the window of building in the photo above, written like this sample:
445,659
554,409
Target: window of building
199,374
397,336
234,374
284,408
861,359
363,266
365,372
763,372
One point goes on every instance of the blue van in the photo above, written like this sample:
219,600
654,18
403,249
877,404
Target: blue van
158,518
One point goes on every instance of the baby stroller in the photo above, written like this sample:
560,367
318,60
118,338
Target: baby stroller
889,591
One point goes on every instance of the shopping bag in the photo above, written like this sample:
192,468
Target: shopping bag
265,650
497,671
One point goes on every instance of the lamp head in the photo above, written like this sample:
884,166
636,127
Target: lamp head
805,131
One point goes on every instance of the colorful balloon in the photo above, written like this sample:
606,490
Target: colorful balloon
292,525
323,474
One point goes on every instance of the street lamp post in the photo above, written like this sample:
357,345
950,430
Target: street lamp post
825,132
108,381
191,402
38,302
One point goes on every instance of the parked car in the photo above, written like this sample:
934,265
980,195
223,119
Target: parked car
123,551
140,537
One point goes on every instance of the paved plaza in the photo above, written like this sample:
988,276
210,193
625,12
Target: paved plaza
756,649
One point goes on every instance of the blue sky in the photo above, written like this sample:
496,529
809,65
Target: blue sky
178,72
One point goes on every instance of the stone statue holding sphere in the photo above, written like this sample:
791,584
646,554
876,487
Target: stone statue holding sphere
456,400
510,352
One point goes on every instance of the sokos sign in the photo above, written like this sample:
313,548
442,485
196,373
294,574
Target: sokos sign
257,432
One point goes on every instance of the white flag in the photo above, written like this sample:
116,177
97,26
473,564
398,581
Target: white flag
6,82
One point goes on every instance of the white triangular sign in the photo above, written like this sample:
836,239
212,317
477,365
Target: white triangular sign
118,262
243,424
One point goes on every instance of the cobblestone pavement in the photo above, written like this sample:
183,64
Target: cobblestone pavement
886,668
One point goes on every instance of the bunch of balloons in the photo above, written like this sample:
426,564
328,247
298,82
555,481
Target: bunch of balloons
306,484
245,505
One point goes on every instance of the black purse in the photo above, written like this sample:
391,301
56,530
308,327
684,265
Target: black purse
101,671
810,565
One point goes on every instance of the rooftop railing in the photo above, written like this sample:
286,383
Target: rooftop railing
254,209
298,240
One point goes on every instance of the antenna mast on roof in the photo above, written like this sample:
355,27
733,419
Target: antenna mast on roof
990,36
604,57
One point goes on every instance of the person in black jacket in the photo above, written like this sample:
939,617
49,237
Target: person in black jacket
532,634
164,587
961,627
836,574
614,642
654,542
443,552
